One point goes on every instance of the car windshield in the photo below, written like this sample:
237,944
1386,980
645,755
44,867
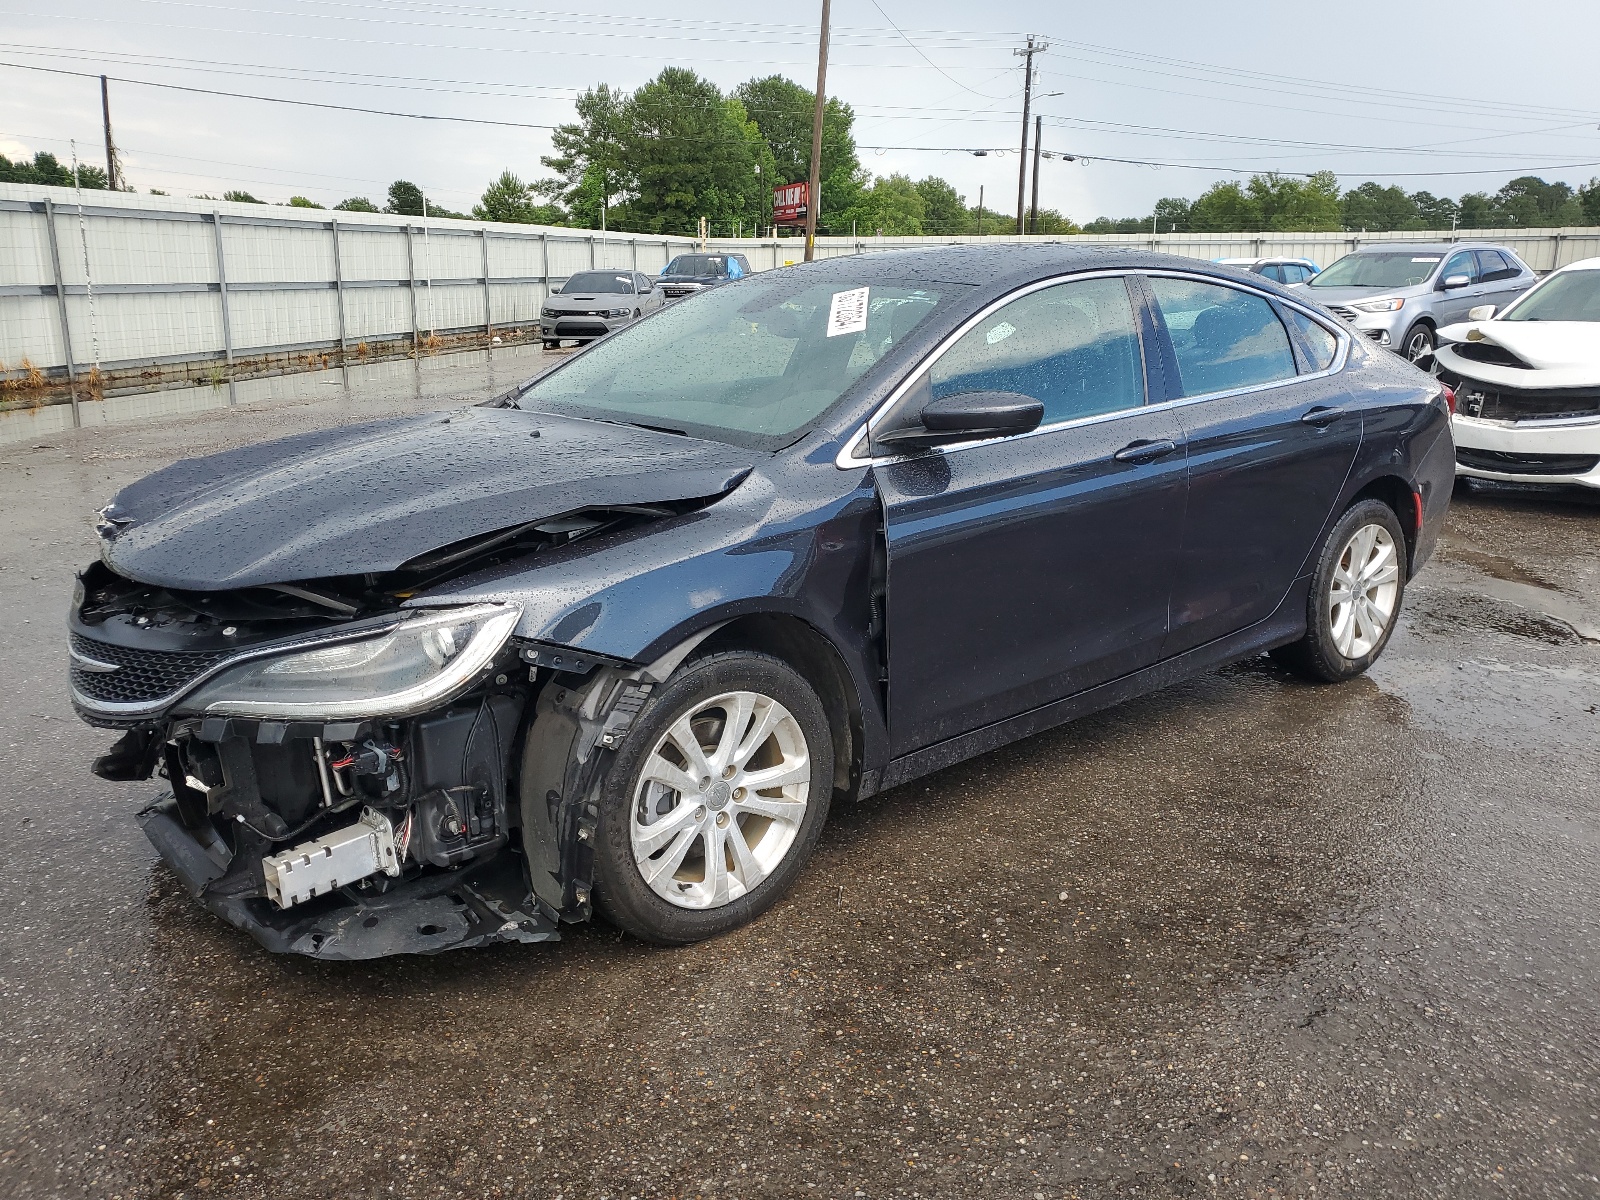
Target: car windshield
590,282
697,264
754,363
1403,269
1572,296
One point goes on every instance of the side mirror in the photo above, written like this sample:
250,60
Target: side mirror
965,417
1481,313
1453,282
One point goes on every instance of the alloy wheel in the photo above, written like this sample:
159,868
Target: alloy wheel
720,800
1364,590
1419,345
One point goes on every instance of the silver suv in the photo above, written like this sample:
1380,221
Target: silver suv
1400,293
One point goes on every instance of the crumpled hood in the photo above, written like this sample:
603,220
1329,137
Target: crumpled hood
367,498
1562,353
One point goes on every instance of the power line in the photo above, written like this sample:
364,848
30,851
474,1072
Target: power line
928,60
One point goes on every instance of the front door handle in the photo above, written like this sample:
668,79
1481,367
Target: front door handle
1321,416
1144,451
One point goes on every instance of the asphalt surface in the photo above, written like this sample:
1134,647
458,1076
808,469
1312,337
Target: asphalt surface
1247,937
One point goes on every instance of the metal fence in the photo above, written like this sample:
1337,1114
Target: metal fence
128,284
125,281
1542,249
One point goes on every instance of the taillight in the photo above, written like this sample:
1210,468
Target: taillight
1450,397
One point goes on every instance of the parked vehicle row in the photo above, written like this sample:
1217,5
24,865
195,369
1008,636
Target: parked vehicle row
591,304
618,641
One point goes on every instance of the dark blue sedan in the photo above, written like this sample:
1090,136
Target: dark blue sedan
620,639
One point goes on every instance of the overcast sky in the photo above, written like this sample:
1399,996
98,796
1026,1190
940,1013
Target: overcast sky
1228,86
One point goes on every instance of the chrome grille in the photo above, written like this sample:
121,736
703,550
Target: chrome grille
141,676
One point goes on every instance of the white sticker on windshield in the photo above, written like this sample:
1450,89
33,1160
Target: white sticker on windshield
999,333
1434,259
848,312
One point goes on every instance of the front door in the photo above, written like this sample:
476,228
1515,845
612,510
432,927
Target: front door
1452,306
1268,456
1025,569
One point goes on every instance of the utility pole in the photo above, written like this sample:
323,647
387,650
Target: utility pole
1038,141
980,210
113,174
1027,103
814,186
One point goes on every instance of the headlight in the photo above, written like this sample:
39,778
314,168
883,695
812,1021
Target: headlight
614,313
1394,305
548,312
413,667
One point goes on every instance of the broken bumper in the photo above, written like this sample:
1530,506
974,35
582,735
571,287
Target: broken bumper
474,906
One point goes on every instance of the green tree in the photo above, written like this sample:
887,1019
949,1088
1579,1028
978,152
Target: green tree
944,212
1478,211
1287,203
1589,202
1435,212
1224,207
47,170
1529,201
241,198
506,199
302,202
356,204
589,157
1049,221
892,206
1375,207
1172,214
784,110
987,221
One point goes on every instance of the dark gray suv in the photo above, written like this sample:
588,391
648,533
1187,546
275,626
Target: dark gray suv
1399,294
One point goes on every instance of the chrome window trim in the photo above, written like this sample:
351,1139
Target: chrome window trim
845,459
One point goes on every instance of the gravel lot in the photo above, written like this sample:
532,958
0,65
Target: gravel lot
1247,937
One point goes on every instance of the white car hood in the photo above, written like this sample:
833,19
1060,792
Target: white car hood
1562,354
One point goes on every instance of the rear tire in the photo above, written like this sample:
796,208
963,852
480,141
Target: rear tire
1355,597
716,797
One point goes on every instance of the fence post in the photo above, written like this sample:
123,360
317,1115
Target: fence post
338,290
488,302
411,287
222,296
591,252
61,307
544,267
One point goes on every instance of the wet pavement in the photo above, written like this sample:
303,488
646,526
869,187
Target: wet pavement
1244,938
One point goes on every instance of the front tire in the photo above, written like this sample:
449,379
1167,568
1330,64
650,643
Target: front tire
1355,597
1419,343
715,800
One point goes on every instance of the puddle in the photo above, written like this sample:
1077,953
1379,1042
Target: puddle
1491,576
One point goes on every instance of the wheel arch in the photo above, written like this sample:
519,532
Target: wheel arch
802,646
1397,494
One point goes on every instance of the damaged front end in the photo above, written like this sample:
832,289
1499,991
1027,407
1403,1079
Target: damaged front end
344,771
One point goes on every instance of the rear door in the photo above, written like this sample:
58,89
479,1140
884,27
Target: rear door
1025,569
1271,439
1500,279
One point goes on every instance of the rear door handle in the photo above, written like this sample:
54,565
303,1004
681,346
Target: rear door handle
1321,416
1144,451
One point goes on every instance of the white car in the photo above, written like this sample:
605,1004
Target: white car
1527,383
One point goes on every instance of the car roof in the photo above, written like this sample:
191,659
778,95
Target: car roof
998,268
1425,247
1583,264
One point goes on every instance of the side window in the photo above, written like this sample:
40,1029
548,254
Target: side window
1273,271
1319,345
640,284
1074,347
1295,273
1224,338
1494,265
1459,264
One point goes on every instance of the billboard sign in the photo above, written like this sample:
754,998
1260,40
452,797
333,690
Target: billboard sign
789,203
